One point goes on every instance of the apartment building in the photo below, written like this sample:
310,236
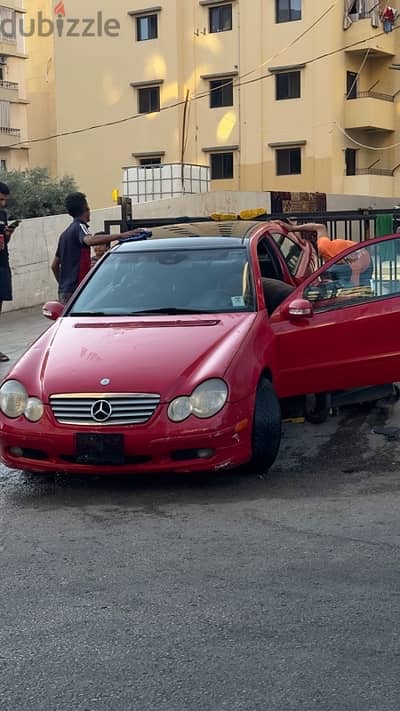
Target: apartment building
286,95
13,101
40,78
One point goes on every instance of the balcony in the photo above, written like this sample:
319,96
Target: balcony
362,36
9,136
10,48
375,183
16,5
370,111
8,91
375,171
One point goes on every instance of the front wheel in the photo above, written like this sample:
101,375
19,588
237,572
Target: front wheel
267,427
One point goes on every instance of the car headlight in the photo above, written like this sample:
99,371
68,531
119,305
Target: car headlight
209,398
14,402
206,401
34,409
13,398
179,409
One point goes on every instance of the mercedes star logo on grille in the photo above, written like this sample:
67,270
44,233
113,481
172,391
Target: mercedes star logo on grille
101,410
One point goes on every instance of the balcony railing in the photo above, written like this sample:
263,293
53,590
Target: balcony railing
374,171
6,39
8,84
374,95
364,15
6,131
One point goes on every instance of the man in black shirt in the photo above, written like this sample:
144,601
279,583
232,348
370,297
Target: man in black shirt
72,259
5,271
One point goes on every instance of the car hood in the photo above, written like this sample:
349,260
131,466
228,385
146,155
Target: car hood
166,355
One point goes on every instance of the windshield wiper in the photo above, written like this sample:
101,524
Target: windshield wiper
88,313
168,311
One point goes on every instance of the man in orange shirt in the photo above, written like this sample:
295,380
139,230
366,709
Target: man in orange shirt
327,248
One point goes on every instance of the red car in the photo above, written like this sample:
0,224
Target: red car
166,358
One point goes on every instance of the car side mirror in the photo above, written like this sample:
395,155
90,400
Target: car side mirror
299,309
53,310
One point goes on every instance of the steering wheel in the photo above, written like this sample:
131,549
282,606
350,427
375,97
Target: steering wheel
324,290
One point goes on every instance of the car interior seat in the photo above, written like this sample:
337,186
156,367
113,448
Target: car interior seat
275,291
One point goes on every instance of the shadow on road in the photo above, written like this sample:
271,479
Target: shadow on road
329,460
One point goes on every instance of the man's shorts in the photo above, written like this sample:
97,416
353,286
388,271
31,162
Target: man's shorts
5,284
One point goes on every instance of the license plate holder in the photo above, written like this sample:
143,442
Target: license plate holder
100,449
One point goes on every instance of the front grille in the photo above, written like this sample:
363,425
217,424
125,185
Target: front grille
104,409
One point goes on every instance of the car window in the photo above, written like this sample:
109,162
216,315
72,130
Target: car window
369,272
268,262
290,250
197,280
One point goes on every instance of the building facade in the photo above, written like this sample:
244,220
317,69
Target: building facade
13,98
40,77
284,95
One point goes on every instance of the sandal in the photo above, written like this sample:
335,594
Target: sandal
4,358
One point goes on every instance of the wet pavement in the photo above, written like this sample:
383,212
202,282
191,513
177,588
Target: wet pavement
18,330
278,592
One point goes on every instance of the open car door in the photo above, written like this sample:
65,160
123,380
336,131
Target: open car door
341,329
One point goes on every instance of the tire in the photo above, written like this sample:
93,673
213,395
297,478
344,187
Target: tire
267,427
317,408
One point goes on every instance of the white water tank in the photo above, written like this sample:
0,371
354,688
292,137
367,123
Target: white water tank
167,180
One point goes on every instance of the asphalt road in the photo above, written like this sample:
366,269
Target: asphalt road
235,592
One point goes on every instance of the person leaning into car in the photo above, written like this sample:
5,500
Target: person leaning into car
352,267
327,248
72,259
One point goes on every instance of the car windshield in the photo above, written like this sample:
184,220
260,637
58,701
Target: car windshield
168,282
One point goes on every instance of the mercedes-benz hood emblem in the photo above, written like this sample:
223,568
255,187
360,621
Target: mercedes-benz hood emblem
101,410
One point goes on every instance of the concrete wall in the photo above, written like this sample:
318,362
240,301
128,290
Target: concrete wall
355,202
230,201
32,249
203,204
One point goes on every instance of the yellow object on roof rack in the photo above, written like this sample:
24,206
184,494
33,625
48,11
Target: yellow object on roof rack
223,217
251,214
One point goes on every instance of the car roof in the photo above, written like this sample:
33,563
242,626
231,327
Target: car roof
211,234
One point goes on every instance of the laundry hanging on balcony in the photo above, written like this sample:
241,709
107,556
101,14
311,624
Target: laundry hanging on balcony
388,16
360,9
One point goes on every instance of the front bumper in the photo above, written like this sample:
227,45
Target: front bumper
157,446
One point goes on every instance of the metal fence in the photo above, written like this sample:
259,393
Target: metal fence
352,225
358,225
